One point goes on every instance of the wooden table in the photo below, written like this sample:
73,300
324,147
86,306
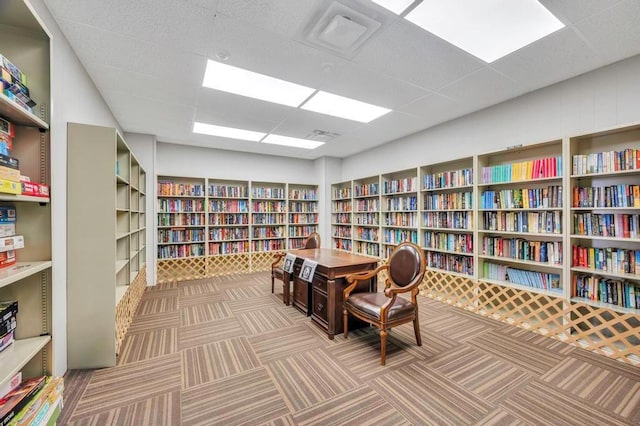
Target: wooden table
322,298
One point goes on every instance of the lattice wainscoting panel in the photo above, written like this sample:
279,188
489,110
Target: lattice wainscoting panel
536,312
262,261
192,268
449,288
128,305
228,264
604,331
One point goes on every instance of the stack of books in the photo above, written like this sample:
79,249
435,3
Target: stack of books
35,401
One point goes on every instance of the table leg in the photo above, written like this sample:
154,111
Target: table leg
286,281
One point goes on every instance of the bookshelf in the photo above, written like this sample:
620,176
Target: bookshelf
447,214
268,217
227,217
366,216
604,219
399,209
29,281
342,216
303,214
106,243
520,218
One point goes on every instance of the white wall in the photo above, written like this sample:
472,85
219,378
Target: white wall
144,149
327,169
73,98
598,100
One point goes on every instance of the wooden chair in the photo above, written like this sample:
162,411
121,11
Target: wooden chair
405,269
312,241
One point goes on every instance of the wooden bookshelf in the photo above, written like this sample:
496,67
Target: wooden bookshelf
366,216
342,216
399,209
303,214
106,241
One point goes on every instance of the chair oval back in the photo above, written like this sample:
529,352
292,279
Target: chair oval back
313,241
407,265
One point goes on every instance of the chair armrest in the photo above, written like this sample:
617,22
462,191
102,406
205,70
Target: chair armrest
389,292
277,258
353,279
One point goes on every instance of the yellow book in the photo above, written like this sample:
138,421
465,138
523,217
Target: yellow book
7,173
9,187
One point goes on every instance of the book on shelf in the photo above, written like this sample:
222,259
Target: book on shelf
36,411
521,249
613,260
618,225
449,179
606,162
18,398
549,167
400,185
621,293
621,195
528,278
449,201
525,198
10,384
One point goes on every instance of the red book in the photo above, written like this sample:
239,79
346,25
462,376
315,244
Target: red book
15,400
625,226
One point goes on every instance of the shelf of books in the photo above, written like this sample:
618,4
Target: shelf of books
366,216
268,222
447,227
26,333
303,214
342,216
399,209
605,234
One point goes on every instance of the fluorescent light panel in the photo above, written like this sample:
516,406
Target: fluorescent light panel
487,29
289,141
227,132
339,106
396,6
242,82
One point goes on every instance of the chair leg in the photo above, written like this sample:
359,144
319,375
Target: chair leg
416,328
273,283
345,321
383,347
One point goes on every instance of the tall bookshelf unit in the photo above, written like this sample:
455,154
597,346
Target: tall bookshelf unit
29,280
235,226
447,214
366,216
399,202
106,249
303,213
543,236
342,216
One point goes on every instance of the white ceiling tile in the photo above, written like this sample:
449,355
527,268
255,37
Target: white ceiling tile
559,56
483,88
278,16
271,54
433,109
191,26
300,124
222,104
615,33
356,82
569,11
407,52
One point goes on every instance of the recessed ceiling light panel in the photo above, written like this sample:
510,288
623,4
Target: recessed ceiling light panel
242,82
227,132
294,142
487,29
339,106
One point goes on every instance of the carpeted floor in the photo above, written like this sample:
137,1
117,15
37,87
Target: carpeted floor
225,351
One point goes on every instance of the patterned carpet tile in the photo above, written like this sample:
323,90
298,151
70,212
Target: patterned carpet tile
486,321
206,363
633,372
207,332
246,292
284,343
75,382
608,390
432,342
553,345
358,407
282,421
120,386
197,314
529,357
242,399
152,292
490,377
198,289
264,320
146,323
202,299
361,354
157,305
264,301
427,397
160,410
456,327
147,345
309,378
538,403
500,417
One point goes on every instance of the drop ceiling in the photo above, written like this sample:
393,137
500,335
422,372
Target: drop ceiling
148,57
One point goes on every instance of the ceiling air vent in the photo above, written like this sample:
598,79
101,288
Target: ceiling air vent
321,136
340,29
